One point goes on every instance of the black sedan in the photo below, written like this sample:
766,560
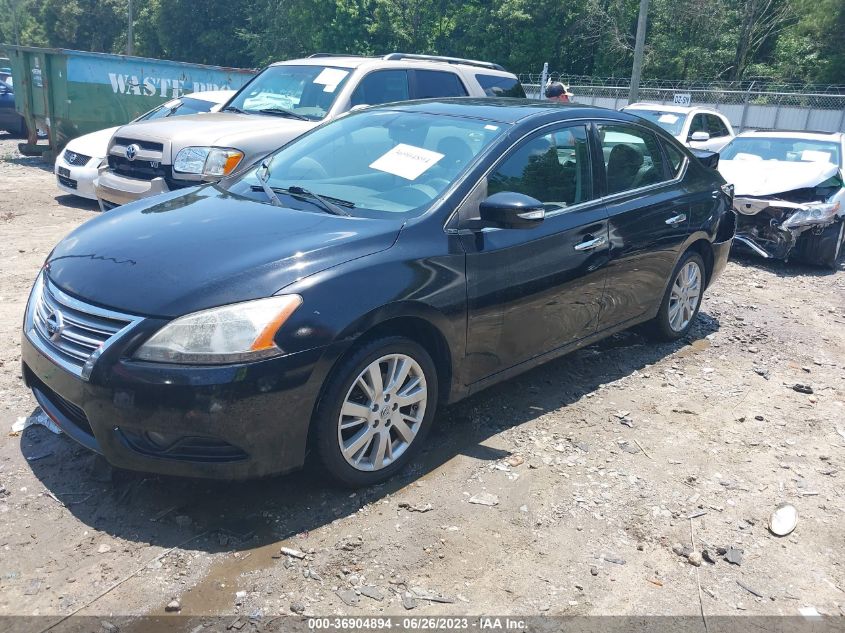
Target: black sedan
328,299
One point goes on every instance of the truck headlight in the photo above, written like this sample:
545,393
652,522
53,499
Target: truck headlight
813,213
210,162
229,334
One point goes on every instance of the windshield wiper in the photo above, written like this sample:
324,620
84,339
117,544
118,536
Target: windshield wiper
283,112
232,109
262,174
329,206
327,203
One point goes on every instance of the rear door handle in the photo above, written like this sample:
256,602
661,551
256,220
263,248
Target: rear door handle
681,217
591,244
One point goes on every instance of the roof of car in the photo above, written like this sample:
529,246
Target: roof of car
354,61
808,134
668,108
507,110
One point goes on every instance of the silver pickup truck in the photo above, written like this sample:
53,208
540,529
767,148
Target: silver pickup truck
282,102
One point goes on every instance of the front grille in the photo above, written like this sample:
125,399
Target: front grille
69,330
74,158
147,145
67,182
140,169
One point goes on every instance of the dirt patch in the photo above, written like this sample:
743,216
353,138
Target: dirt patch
596,462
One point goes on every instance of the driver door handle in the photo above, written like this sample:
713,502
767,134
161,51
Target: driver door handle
591,244
681,217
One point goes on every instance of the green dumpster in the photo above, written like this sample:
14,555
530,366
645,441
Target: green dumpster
69,93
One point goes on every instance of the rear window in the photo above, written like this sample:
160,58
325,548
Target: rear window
499,86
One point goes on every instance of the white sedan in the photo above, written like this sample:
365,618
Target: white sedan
76,167
789,193
699,128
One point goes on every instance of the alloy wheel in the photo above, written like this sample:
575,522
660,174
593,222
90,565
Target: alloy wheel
382,412
685,295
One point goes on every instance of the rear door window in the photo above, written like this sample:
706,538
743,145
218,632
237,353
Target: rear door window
430,84
632,158
676,158
382,86
497,86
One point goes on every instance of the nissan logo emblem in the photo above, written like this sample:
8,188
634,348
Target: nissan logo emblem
55,324
131,151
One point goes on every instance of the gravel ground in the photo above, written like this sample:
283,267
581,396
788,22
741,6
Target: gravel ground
594,464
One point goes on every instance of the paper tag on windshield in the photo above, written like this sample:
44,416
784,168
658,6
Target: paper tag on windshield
406,161
815,156
330,78
668,118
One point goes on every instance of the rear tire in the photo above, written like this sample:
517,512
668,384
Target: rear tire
825,248
375,412
681,301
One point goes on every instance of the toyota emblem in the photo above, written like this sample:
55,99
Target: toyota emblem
131,151
71,157
55,324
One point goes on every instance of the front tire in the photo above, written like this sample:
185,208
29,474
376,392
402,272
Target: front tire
375,412
682,300
825,248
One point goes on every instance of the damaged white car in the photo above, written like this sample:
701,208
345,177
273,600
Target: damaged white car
789,194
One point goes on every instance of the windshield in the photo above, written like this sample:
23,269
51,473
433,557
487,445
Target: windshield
178,107
307,91
672,122
794,150
374,163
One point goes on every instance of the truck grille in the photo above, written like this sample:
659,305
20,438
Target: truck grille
68,330
73,158
148,145
140,169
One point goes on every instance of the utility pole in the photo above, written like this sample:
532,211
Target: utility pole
639,49
129,34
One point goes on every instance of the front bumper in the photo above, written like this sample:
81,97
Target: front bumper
114,190
76,180
224,422
762,230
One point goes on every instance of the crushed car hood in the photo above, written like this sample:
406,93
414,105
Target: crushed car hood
204,247
771,177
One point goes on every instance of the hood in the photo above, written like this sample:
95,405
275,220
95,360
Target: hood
771,177
95,144
204,247
251,133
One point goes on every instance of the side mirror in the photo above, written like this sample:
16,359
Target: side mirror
510,210
699,137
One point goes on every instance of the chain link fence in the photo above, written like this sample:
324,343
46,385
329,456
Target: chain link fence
747,104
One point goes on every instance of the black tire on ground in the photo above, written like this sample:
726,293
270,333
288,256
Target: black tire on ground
328,414
825,248
659,328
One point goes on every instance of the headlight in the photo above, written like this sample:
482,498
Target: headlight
212,162
228,334
814,213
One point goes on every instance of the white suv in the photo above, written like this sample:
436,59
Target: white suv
282,102
699,128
